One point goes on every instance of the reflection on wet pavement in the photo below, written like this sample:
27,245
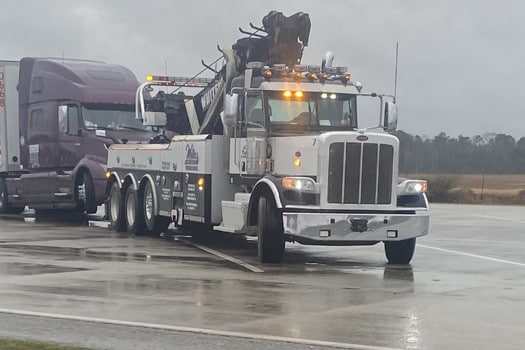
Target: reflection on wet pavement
342,294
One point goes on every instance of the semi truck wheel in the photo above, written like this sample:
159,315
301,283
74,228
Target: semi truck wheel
400,252
114,209
133,218
5,207
154,224
85,194
270,243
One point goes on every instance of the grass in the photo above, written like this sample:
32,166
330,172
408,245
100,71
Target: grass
7,344
479,188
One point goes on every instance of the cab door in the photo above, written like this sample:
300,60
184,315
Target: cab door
70,148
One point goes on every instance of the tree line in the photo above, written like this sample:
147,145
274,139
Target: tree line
490,153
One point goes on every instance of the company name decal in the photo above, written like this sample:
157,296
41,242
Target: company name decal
192,159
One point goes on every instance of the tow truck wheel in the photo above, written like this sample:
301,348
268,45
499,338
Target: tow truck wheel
5,207
133,219
270,243
114,209
154,224
400,252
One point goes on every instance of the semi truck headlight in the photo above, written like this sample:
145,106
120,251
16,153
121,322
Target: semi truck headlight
301,184
408,187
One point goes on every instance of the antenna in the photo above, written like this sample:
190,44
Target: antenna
395,74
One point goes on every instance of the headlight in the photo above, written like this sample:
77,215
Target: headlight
408,187
301,184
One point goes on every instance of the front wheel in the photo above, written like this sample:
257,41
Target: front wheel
85,194
270,242
400,252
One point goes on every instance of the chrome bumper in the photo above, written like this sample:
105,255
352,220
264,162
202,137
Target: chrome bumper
341,228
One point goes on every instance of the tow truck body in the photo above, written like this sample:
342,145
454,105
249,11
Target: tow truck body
272,150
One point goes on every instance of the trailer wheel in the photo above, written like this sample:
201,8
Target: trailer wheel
5,207
114,209
85,193
270,243
154,224
133,218
400,252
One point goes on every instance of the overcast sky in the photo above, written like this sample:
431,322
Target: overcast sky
460,62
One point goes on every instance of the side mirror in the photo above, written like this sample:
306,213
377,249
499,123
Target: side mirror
390,117
231,110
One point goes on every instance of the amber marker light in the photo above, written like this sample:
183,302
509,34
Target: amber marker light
200,184
298,94
287,93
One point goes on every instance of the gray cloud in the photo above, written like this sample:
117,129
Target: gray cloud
459,60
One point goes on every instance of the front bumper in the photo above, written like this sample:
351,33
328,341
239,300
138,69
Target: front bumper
347,228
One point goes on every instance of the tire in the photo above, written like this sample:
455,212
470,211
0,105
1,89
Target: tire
270,243
5,207
115,208
85,194
400,252
154,224
133,217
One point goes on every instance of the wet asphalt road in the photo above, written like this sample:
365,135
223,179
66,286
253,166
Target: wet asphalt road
465,289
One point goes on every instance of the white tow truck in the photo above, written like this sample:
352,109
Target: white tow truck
269,148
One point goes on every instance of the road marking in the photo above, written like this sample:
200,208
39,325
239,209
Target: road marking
222,255
473,255
498,218
311,342
469,240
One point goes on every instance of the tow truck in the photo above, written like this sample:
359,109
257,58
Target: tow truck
270,148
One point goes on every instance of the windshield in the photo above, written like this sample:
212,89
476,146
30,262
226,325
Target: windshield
111,117
311,111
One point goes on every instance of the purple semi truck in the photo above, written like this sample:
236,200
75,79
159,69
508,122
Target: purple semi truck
57,119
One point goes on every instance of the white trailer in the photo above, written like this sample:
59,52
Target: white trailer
9,135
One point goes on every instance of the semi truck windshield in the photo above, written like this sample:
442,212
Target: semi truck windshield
111,117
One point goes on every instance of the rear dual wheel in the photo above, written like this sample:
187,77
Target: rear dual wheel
135,211
115,208
154,224
133,219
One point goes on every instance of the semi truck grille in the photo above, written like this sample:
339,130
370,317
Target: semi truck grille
360,173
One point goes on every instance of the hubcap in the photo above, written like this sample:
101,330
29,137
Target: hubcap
114,207
130,211
148,203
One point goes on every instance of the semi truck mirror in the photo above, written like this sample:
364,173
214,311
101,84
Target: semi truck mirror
231,110
390,117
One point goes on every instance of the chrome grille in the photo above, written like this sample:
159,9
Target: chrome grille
360,173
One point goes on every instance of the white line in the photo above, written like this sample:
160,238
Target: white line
199,330
498,218
222,255
473,255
